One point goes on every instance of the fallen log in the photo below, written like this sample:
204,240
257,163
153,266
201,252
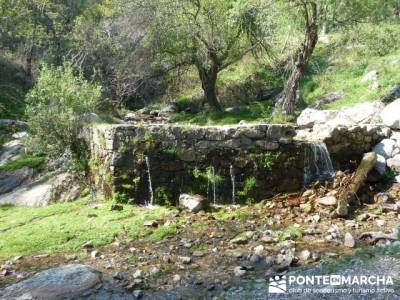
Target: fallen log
348,194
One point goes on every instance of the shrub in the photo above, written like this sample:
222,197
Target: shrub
56,109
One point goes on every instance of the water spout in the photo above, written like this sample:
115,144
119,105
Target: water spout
150,183
317,164
232,173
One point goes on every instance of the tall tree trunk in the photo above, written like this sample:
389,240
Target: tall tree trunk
208,77
289,97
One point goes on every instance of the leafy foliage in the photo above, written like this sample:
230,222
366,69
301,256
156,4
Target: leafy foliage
56,109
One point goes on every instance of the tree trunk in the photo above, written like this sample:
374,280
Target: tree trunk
208,77
347,195
289,97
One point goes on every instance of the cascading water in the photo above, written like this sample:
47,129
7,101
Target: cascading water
150,183
214,186
317,164
232,173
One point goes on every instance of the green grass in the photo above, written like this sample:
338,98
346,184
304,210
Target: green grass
242,213
255,112
66,227
341,65
26,161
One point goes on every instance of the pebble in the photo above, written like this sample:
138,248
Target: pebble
328,201
94,254
305,255
185,259
176,277
349,240
258,250
380,223
138,274
239,271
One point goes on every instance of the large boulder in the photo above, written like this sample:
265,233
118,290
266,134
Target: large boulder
391,114
392,95
309,117
364,113
14,125
380,165
385,148
193,203
394,163
66,282
11,180
59,187
11,151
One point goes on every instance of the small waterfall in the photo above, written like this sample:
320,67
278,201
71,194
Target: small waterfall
317,164
150,184
232,173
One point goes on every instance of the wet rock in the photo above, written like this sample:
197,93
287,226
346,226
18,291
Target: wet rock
328,201
138,294
193,203
242,238
176,278
284,260
71,281
254,258
240,271
14,125
269,261
349,240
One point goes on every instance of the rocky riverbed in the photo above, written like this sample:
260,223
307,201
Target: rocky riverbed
233,250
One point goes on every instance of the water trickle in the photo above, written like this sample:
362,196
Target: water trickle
150,183
214,186
317,164
232,173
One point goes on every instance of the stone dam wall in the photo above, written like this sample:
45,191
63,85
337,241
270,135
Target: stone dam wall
253,161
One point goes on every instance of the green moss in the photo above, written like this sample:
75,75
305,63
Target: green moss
241,213
164,231
25,161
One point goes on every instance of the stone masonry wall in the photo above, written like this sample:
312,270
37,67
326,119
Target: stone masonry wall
264,159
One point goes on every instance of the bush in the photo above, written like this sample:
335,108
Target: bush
56,109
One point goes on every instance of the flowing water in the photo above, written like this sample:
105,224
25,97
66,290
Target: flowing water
317,164
150,183
214,187
232,173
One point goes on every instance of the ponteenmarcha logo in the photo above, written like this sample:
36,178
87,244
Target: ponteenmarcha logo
277,285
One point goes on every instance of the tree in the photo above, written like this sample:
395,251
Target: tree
312,16
208,34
